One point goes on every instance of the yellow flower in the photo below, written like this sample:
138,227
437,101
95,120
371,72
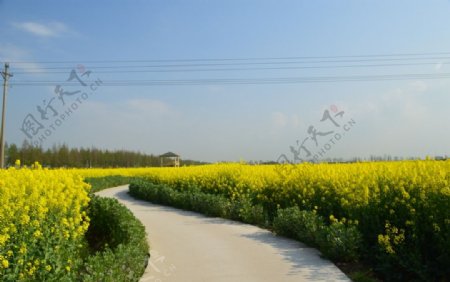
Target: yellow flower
37,234
333,219
31,270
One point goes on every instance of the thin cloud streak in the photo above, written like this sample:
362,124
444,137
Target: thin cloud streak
52,29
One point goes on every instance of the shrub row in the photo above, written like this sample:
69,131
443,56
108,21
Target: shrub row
198,201
118,244
100,183
337,241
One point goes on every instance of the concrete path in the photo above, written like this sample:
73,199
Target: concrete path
189,247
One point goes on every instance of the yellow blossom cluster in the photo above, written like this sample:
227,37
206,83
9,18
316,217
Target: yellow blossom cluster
42,222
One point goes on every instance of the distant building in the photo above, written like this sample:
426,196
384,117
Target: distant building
170,159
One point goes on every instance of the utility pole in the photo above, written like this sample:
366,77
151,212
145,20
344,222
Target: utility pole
5,76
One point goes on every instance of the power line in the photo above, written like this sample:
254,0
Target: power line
238,69
237,59
236,81
242,64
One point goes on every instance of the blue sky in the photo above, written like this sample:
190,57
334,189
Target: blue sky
408,117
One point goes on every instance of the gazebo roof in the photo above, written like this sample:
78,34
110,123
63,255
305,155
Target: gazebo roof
169,155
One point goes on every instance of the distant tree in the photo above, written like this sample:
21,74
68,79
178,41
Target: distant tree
12,153
62,156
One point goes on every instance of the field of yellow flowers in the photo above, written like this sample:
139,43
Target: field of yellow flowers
401,209
50,221
42,223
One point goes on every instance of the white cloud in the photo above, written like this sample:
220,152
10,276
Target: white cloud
438,66
136,124
419,86
394,121
296,121
12,53
279,119
52,29
367,107
407,102
139,112
148,106
282,120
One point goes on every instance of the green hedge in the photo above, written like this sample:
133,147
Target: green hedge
336,241
118,243
196,200
101,183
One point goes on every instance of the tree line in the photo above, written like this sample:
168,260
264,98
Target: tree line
63,156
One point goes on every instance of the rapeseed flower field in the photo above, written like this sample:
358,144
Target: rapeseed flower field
42,223
401,209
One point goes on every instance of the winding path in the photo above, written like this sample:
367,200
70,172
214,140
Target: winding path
190,247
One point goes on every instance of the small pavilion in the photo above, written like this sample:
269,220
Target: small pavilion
170,159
